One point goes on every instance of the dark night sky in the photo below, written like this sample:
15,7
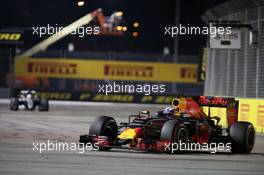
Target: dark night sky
152,15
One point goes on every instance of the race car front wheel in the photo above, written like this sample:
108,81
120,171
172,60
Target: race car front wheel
14,104
242,136
176,133
104,126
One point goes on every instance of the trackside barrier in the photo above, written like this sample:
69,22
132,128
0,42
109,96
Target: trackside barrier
105,70
252,110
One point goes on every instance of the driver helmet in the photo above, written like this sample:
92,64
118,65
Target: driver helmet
168,110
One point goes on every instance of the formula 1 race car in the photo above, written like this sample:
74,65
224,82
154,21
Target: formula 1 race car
183,122
30,100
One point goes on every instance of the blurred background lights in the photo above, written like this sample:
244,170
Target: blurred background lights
80,3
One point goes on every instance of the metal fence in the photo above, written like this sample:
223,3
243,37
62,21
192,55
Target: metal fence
238,73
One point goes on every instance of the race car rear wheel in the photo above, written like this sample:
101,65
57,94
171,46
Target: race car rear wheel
14,104
176,133
104,126
43,105
242,136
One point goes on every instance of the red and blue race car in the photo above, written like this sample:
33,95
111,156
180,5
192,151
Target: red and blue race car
183,123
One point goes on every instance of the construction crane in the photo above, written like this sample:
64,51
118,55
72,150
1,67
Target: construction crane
108,26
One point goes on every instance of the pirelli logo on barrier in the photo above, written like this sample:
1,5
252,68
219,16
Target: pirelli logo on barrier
10,36
190,73
260,115
252,110
54,68
106,70
7,37
244,111
128,71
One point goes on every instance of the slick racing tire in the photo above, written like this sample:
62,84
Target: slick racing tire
14,104
104,126
176,133
242,136
43,105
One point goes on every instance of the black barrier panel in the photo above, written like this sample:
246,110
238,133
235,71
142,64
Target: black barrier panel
97,97
79,85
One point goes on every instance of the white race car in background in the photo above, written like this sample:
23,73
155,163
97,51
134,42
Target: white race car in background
30,100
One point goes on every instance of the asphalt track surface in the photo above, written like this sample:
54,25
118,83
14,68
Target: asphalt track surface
64,123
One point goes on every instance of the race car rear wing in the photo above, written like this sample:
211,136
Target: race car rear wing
231,105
